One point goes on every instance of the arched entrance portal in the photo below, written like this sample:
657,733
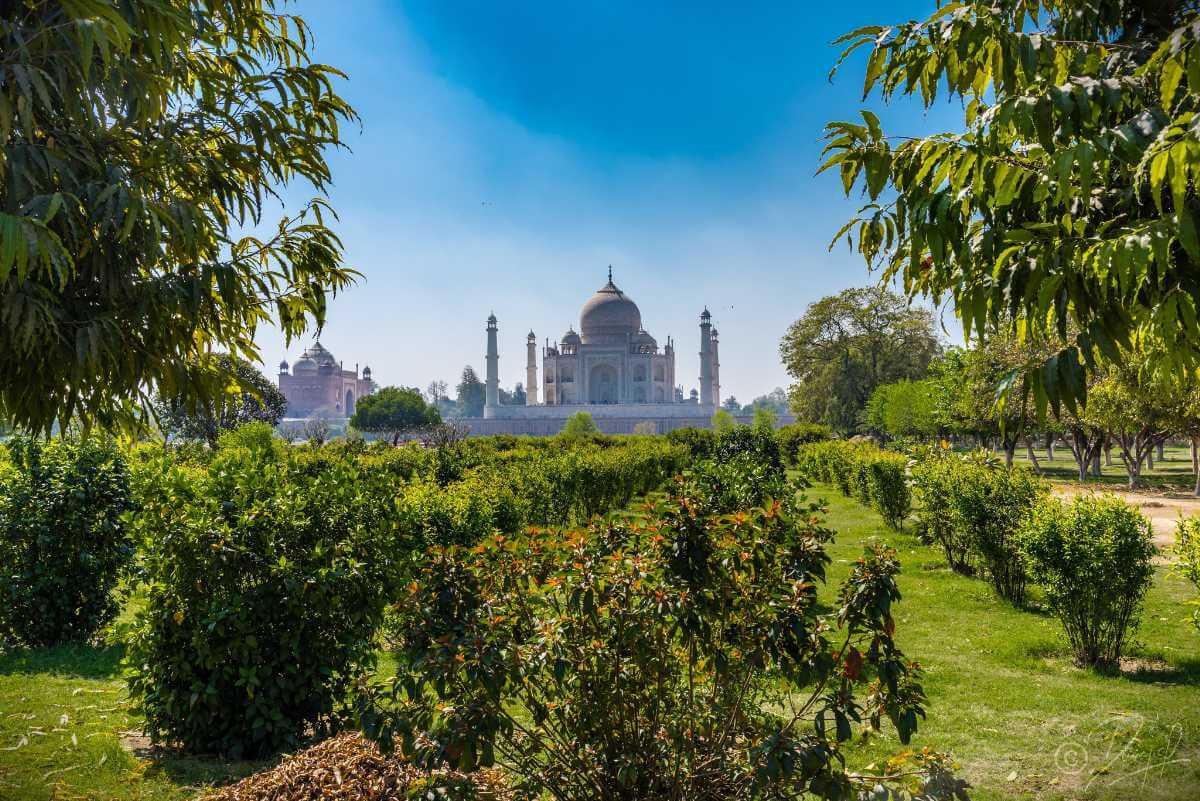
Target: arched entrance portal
602,384
349,407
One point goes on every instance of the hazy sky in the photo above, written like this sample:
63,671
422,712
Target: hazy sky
510,151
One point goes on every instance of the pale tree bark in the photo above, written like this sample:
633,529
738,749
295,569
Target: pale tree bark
1037,466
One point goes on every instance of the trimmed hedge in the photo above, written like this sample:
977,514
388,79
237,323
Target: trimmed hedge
861,470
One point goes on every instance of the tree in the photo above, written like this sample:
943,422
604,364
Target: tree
436,392
252,399
1134,413
847,344
471,393
1070,195
139,144
723,421
765,419
580,424
776,399
904,409
394,412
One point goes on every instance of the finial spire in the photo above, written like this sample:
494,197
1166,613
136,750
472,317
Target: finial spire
610,273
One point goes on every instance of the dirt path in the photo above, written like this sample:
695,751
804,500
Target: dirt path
1162,508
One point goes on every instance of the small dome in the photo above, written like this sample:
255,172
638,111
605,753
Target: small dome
570,338
531,337
304,365
609,316
714,332
705,315
366,372
283,366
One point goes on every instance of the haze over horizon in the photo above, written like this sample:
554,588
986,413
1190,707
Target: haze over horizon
509,154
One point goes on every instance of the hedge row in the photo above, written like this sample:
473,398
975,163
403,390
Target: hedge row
861,470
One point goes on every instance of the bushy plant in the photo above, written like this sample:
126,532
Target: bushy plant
1187,551
63,542
266,579
757,443
989,507
887,482
793,435
1094,559
934,482
876,477
645,660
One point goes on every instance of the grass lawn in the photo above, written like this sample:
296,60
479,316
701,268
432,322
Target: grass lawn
1004,699
1172,475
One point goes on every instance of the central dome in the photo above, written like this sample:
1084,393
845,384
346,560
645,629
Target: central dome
609,317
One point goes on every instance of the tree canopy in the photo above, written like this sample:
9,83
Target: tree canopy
846,345
252,398
140,144
471,393
1068,198
394,411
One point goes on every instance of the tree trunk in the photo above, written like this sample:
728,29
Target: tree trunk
1010,451
1162,450
1196,463
1049,447
1150,457
1107,453
1096,463
1037,467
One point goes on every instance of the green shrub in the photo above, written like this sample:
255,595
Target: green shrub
266,577
63,544
877,478
888,489
990,506
698,441
1187,551
642,661
759,444
934,481
1094,558
793,435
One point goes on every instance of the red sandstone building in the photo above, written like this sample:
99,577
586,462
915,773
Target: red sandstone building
318,385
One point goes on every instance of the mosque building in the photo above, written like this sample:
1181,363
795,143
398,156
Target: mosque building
612,368
317,384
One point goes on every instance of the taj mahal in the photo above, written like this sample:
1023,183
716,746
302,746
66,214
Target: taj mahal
612,368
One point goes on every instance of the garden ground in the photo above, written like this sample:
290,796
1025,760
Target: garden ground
1004,697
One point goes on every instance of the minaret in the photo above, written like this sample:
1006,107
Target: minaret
491,397
706,360
531,382
716,371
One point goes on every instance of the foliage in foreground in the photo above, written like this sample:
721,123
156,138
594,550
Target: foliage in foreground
1067,199
63,542
139,143
266,581
1093,557
647,654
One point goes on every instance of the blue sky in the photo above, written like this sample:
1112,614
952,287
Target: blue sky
509,152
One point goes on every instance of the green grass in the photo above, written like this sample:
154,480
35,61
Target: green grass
1172,475
1004,699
